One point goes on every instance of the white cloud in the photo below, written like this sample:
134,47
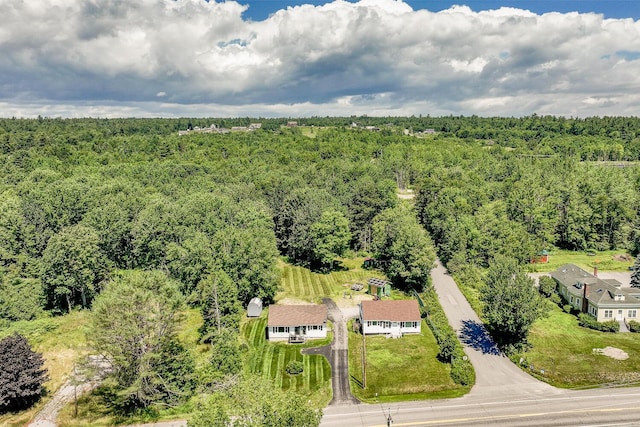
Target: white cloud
192,57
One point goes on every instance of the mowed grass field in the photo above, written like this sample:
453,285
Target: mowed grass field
301,283
400,369
271,359
604,260
564,351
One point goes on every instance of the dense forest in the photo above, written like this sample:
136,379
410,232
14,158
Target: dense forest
91,206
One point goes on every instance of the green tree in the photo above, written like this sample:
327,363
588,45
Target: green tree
73,267
21,374
635,276
133,325
252,402
330,238
219,304
404,247
510,302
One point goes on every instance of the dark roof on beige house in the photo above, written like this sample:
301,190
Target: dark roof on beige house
597,291
297,315
395,311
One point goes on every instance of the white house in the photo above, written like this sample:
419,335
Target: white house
390,317
297,323
603,299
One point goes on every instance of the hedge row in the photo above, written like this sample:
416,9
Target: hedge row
590,322
451,351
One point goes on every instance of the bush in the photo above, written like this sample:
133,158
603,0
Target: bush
295,367
568,308
587,321
462,371
547,286
634,326
21,374
451,351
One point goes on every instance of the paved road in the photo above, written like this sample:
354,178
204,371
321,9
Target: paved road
601,407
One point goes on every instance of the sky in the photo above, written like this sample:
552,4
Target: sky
272,58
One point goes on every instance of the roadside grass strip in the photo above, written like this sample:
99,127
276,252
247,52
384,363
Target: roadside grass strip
565,354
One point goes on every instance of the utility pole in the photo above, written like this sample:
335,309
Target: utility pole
364,361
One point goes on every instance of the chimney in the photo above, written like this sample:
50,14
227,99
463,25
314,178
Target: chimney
585,295
595,270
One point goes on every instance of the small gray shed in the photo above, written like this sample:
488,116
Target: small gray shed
255,307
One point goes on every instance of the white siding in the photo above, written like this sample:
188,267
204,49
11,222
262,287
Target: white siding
386,327
282,333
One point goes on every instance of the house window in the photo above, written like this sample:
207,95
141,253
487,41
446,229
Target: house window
410,324
608,314
386,324
374,323
594,311
571,299
631,313
282,329
578,301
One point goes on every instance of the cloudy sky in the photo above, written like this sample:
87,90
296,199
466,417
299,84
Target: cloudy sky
167,58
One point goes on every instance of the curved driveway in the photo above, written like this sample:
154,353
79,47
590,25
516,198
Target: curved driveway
495,374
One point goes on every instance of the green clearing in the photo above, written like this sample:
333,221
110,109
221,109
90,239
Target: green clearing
301,283
564,351
604,260
270,360
62,342
400,369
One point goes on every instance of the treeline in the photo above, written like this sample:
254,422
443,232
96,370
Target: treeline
90,205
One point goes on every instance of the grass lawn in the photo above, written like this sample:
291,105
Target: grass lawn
301,283
603,259
565,351
271,359
400,369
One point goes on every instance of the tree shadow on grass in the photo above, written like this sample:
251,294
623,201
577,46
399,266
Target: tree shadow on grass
476,336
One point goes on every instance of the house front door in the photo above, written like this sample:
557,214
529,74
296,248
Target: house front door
619,316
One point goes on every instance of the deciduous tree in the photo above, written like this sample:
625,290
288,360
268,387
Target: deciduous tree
511,302
134,326
21,374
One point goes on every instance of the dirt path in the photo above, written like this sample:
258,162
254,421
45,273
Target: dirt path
85,380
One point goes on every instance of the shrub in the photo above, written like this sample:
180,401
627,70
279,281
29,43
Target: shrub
21,374
568,308
634,326
590,322
462,371
547,286
295,367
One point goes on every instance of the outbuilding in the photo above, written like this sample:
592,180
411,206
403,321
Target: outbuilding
255,307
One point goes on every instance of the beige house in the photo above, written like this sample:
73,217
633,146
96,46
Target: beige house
603,299
390,317
297,323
